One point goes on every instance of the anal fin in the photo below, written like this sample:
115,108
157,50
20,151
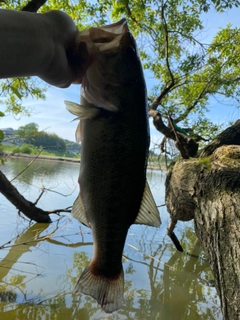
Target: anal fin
148,213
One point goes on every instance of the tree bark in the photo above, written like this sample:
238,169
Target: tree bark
217,225
229,136
208,191
26,207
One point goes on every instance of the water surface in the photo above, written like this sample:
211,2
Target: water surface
41,263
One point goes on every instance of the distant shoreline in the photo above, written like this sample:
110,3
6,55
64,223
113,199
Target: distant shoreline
52,158
40,157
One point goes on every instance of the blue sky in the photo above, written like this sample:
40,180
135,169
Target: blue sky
52,115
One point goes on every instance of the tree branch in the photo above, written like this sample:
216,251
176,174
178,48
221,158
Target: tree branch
171,84
22,204
33,5
178,142
31,162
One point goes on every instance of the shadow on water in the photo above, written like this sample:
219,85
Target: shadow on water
41,263
22,244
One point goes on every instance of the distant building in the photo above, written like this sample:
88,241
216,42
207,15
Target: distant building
9,137
7,132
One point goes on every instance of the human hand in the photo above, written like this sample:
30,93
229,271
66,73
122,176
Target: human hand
58,68
43,45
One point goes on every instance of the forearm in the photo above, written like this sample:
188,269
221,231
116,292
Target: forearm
26,47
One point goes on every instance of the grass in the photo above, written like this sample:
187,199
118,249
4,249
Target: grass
29,149
153,161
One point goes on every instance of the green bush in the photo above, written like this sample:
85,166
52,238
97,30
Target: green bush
25,149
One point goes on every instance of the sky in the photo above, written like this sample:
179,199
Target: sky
52,116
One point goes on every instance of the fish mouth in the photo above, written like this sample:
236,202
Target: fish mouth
101,39
105,37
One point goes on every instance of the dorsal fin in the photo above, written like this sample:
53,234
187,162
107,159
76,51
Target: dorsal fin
148,213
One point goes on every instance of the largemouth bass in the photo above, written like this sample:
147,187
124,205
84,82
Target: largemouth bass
114,135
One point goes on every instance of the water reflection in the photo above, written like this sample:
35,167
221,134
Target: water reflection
176,288
40,265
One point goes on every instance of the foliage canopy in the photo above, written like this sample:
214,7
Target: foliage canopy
31,135
187,72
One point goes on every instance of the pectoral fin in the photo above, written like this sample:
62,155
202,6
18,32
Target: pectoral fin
148,213
78,211
81,111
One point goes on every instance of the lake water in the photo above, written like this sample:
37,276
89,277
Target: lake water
41,263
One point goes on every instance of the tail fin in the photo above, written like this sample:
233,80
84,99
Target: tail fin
107,292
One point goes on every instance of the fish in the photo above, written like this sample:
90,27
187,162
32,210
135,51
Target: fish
114,136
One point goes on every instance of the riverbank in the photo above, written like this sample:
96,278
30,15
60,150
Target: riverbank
40,157
55,158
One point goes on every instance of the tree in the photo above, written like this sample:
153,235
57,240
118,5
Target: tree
27,133
187,72
49,141
207,190
31,135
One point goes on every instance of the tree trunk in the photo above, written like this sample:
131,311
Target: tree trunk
26,207
217,225
208,191
229,136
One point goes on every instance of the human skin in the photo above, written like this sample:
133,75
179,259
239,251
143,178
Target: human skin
33,44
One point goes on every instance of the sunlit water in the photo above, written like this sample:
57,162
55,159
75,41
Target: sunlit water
40,263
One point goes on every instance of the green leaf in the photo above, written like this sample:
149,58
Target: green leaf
2,160
1,135
16,92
